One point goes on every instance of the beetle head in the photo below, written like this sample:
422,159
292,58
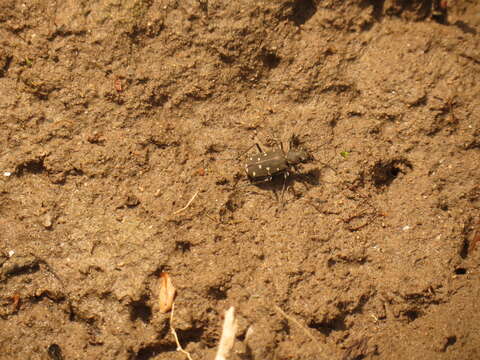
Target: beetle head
297,157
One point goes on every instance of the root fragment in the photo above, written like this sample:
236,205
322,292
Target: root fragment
228,335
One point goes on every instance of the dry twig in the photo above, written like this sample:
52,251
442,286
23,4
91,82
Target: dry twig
188,204
476,238
174,333
451,104
228,335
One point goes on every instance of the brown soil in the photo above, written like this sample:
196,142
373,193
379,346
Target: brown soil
115,113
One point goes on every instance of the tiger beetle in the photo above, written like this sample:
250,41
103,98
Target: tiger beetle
264,166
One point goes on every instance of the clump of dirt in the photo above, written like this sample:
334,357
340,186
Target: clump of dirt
115,114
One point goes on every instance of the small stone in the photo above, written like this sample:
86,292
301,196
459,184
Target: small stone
7,173
11,253
132,201
47,221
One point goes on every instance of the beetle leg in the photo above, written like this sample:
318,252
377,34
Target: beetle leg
276,195
244,152
285,176
279,144
267,179
259,148
291,142
292,189
236,183
252,183
258,182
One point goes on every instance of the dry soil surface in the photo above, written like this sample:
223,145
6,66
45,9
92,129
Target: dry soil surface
114,114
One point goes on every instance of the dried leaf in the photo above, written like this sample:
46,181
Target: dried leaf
167,293
16,302
118,85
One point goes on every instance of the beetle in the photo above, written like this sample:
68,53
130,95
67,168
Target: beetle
262,167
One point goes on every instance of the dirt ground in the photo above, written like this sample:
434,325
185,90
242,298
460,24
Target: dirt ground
114,114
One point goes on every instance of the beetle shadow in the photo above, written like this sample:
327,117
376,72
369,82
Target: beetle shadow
310,177
280,184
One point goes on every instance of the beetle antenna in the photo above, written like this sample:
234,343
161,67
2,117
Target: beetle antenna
242,153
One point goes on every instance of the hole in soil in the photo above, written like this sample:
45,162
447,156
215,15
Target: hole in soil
6,65
71,313
384,172
190,335
75,172
55,352
217,293
303,10
451,340
331,262
24,269
214,148
464,249
183,246
337,324
140,310
270,59
157,97
412,314
150,351
460,271
34,166
233,204
227,59
443,206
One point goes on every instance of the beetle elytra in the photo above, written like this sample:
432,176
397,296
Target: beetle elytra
262,167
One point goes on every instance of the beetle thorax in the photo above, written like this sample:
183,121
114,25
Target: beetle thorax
296,157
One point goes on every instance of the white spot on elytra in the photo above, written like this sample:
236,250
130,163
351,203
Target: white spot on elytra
268,169
254,174
259,166
264,154
258,159
278,169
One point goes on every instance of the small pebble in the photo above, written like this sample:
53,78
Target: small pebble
47,221
7,173
11,253
406,228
